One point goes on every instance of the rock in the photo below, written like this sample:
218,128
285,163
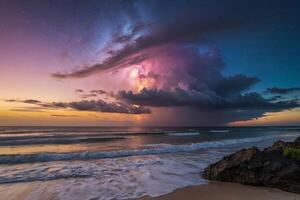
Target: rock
261,168
297,143
278,145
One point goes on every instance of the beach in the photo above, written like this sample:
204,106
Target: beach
126,163
211,191
149,100
226,191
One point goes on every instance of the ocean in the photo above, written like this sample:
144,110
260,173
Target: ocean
119,162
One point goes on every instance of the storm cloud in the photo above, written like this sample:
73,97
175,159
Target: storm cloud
180,69
193,81
190,80
88,105
276,90
98,91
204,101
90,94
102,106
188,27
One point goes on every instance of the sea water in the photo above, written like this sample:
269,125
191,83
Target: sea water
120,162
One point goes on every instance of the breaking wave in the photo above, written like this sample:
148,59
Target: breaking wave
49,140
183,134
219,131
147,150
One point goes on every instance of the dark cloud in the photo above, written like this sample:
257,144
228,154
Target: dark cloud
192,83
276,98
30,101
131,35
79,91
276,90
32,109
56,115
189,78
84,96
204,101
234,84
33,101
177,23
182,69
162,98
91,105
102,106
188,27
98,91
91,94
194,108
10,100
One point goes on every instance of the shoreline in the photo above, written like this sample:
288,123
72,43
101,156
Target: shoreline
212,191
226,191
71,189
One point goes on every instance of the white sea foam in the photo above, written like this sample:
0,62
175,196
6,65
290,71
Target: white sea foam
149,150
126,177
56,140
219,131
146,150
184,134
118,178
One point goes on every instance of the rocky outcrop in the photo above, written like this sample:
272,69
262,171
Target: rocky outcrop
270,167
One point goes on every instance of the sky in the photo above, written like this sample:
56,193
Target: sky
149,63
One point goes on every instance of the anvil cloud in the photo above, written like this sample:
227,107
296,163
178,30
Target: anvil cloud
178,67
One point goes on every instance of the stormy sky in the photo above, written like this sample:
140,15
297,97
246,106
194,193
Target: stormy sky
181,63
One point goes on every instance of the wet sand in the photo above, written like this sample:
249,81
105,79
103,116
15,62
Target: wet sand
226,191
211,191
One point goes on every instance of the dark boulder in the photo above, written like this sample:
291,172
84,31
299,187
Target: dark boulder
297,143
252,166
277,146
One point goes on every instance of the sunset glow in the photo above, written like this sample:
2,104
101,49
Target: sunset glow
136,99
129,70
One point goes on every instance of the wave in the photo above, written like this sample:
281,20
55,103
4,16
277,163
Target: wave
219,131
146,175
149,150
59,138
183,134
49,140
46,134
291,128
85,130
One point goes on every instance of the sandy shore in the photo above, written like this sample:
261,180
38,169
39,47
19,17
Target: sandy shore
212,191
24,191
227,191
